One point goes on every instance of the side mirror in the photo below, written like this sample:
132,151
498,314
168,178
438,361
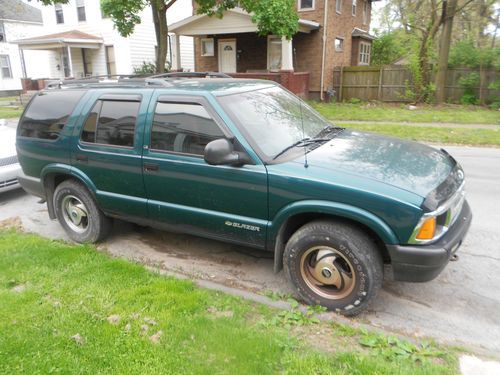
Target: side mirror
221,152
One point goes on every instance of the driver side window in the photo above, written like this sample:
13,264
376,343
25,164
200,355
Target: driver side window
184,128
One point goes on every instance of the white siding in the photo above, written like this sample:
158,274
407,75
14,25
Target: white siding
129,52
36,63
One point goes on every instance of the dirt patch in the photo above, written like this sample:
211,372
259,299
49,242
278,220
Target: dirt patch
11,223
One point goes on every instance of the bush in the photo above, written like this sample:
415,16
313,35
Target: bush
469,84
145,68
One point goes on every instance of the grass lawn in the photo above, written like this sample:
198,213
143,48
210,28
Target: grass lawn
67,309
8,112
461,136
399,112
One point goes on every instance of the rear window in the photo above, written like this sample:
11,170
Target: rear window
48,112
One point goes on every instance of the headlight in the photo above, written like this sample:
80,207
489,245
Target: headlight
433,225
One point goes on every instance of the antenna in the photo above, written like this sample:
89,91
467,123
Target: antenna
306,165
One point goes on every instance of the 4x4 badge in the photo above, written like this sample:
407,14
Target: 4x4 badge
242,226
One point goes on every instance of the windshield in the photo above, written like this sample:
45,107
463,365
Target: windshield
274,118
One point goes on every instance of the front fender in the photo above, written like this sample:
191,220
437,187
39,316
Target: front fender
334,209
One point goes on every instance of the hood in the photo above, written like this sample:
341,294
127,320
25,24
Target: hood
407,165
7,142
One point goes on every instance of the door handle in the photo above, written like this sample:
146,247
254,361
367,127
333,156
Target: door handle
151,167
82,158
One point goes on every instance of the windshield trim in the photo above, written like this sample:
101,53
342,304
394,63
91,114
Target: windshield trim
292,154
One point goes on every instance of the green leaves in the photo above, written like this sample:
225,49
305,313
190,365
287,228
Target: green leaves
276,17
391,347
124,14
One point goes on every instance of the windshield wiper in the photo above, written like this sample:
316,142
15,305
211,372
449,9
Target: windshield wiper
302,143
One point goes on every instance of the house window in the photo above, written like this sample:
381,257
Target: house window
59,13
306,4
207,47
339,44
365,50
185,128
2,33
366,12
354,6
5,66
273,53
110,60
338,6
80,10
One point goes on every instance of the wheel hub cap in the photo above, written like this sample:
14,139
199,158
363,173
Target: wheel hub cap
75,213
327,272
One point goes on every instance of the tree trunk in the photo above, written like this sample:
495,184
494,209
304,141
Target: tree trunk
444,50
161,31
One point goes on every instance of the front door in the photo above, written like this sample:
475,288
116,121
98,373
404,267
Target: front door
227,55
187,194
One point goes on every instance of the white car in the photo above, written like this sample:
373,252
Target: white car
9,165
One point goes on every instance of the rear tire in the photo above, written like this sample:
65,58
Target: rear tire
78,213
335,265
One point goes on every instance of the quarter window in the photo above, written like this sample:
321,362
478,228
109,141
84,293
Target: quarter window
47,114
5,66
354,7
80,10
59,13
111,122
183,127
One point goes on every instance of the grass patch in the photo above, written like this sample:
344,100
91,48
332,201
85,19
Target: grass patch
461,136
392,112
68,309
9,112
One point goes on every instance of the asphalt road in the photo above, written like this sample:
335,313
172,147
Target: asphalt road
460,307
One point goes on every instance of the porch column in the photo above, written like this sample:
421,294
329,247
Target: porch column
286,54
176,52
70,61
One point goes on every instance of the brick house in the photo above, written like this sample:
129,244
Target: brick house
331,33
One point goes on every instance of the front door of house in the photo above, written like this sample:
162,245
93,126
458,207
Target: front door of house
227,55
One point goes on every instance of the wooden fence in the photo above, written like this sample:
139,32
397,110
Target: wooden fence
390,83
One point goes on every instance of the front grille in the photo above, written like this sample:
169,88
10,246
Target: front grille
4,184
8,161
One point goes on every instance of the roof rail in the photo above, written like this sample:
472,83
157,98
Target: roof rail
192,75
131,79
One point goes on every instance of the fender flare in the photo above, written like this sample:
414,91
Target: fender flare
62,169
318,207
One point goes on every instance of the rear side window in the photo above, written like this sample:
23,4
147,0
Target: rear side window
111,123
183,127
48,112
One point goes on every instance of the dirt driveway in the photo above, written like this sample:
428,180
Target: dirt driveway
460,306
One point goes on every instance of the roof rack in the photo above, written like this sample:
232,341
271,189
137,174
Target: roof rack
136,80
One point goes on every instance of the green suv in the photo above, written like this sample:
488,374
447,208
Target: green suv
246,162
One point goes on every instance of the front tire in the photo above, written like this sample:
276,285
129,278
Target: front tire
78,213
335,265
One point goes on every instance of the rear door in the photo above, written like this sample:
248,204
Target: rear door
108,150
186,193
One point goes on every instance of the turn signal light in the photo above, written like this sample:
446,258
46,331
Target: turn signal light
428,229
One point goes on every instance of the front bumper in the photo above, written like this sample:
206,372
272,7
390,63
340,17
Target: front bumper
425,262
9,177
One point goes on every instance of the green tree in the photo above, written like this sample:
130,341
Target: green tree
276,17
388,47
